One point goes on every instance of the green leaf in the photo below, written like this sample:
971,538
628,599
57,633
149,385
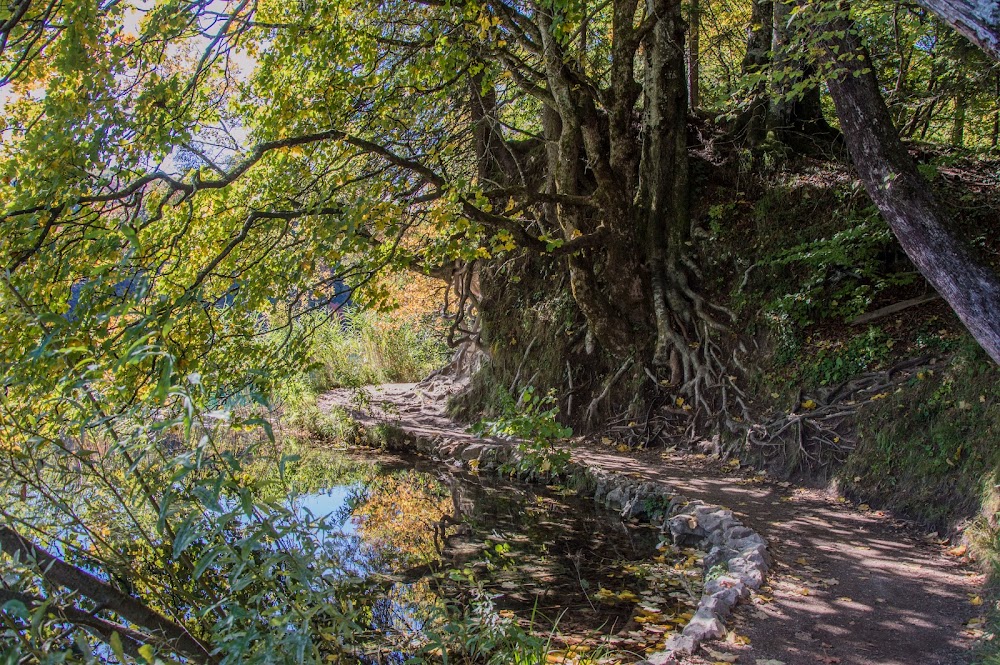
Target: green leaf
116,647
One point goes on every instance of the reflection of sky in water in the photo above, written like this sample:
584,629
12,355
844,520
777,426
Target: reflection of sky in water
327,505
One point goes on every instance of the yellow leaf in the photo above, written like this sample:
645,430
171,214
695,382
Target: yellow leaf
976,600
958,551
809,404
147,652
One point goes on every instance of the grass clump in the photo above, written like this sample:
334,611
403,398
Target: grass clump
365,347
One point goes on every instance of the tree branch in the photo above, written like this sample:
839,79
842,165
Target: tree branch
56,571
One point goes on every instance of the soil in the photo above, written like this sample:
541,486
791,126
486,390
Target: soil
849,586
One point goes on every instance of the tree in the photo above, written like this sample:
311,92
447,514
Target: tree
897,188
197,177
979,20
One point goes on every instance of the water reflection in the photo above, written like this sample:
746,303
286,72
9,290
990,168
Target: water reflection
423,541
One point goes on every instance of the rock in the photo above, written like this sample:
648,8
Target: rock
678,644
661,657
723,582
685,530
712,520
721,603
472,452
704,626
615,499
738,530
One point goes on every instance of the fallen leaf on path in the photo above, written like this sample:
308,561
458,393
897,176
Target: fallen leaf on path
958,551
769,661
830,581
733,638
976,600
864,507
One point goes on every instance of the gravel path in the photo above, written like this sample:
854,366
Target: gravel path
849,587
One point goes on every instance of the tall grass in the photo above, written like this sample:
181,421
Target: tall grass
360,348
366,348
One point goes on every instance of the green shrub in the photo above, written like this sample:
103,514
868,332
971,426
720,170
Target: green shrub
532,421
839,277
835,363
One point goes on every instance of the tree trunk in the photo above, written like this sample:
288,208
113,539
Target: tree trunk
752,122
901,194
996,112
693,54
58,572
796,118
958,126
663,172
978,20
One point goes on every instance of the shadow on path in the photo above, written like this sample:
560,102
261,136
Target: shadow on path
847,588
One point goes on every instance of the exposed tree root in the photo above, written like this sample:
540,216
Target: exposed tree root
819,430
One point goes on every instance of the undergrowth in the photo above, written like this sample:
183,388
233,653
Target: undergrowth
531,419
351,351
928,449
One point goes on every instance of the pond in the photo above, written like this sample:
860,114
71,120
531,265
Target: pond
425,545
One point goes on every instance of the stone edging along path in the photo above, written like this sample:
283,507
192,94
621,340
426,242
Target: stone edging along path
846,585
737,559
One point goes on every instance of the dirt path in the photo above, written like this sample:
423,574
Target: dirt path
848,587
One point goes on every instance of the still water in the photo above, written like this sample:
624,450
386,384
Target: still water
422,541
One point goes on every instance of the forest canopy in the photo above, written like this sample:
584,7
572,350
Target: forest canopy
188,188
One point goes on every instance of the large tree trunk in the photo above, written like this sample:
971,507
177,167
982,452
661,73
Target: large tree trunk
796,118
902,195
979,20
663,175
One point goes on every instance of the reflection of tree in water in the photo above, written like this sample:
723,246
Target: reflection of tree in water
400,517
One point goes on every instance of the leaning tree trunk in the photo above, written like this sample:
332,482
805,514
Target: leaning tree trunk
978,20
891,178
